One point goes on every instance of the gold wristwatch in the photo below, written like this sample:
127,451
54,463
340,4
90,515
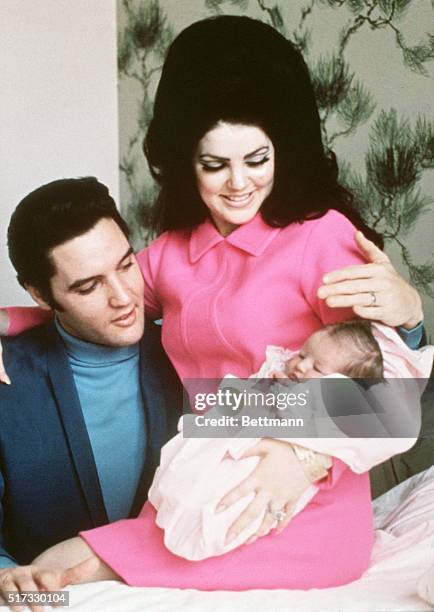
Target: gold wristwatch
315,465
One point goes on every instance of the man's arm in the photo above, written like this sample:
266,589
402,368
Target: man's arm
6,560
16,578
414,338
10,571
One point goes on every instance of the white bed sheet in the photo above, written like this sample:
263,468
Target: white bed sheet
403,552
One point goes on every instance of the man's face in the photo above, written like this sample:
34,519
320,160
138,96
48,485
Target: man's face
99,287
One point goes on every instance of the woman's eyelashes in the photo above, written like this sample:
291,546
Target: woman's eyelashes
216,166
257,162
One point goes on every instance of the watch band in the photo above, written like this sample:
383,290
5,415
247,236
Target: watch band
315,465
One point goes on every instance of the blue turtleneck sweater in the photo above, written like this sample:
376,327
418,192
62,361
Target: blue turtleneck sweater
108,386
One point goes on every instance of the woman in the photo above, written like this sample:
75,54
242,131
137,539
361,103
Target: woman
253,218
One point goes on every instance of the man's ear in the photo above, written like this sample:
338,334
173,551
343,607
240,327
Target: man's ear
37,296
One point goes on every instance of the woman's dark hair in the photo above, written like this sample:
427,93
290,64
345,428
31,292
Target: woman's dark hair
49,216
239,70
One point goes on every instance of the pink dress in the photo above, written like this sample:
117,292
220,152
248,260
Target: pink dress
328,544
192,528
223,300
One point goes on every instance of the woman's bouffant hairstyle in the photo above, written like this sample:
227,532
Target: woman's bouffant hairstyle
239,70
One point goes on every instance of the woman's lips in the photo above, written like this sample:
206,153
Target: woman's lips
238,201
127,319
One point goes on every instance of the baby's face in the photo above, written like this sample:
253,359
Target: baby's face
320,355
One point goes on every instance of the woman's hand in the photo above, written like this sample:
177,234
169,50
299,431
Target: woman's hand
4,324
4,378
4,321
278,480
374,290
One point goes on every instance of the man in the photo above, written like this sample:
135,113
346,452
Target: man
91,402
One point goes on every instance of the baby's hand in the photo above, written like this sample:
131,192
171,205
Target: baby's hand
280,377
278,374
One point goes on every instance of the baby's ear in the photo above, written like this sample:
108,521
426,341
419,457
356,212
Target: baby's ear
37,297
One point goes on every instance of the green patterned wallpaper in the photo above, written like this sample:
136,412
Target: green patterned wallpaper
370,62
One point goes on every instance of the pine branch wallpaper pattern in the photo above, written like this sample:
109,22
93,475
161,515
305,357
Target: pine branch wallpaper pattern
370,62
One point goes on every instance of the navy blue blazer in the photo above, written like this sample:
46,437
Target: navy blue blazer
49,487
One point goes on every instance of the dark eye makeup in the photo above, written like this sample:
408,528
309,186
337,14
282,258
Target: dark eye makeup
207,167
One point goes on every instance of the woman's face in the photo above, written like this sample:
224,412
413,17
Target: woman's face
234,166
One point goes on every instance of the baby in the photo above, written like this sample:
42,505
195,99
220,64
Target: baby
348,348
195,473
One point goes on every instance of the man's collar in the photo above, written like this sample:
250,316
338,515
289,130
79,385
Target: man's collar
252,237
90,353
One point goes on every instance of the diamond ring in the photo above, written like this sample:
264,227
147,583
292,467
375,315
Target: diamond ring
277,514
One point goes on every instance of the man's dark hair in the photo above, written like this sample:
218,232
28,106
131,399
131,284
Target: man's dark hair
49,216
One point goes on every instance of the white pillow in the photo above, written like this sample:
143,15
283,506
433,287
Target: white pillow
407,505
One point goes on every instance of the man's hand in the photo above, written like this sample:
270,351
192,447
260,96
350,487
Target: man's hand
374,291
278,480
39,578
